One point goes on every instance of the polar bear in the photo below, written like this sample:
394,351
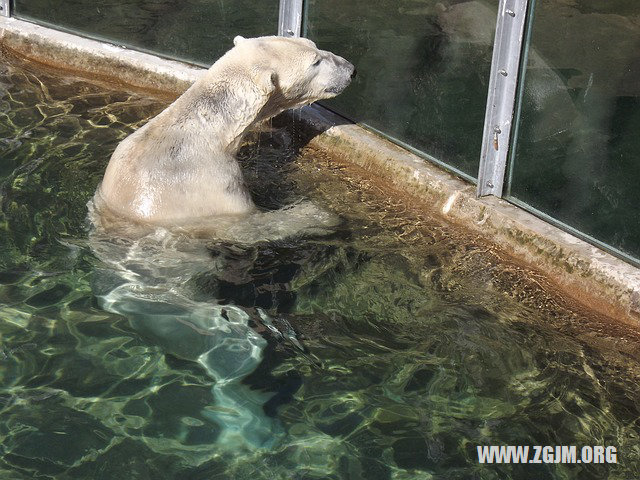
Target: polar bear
181,165
180,170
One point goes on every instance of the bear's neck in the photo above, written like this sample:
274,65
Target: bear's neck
225,104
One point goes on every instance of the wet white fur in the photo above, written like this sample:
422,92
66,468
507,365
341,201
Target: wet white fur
181,167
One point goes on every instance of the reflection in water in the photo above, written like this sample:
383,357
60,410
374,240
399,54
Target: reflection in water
422,342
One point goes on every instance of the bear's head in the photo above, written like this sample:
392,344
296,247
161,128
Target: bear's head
293,71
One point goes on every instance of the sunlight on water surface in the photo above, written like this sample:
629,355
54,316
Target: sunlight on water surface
420,342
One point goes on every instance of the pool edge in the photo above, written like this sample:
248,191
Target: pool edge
588,274
96,60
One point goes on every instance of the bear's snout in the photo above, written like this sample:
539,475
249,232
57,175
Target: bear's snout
344,72
348,66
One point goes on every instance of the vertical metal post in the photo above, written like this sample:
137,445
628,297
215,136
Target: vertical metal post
290,18
5,8
507,50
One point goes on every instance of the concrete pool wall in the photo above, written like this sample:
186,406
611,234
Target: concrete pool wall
591,276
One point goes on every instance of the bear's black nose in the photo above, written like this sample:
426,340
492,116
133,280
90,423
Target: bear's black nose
353,74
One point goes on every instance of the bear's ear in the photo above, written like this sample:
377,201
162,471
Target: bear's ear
267,81
238,40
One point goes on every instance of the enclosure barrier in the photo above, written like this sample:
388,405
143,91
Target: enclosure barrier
503,83
290,18
556,134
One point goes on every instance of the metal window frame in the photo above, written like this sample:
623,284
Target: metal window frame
290,18
5,8
503,83
503,86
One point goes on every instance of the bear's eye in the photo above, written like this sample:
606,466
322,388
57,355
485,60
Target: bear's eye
316,63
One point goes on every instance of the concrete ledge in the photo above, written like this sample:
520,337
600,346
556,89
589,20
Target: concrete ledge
584,272
96,60
588,274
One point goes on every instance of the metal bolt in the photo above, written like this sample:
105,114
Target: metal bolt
511,13
290,33
503,72
496,131
489,184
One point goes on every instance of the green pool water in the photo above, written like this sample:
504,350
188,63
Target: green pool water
421,342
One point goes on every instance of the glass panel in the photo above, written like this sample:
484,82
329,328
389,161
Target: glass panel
199,31
577,155
423,69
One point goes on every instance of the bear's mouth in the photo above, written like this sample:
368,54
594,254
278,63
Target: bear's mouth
335,89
